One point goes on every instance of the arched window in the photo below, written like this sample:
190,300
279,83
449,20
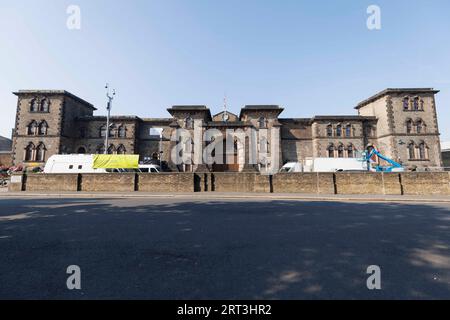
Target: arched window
348,130
100,149
43,128
122,131
34,107
112,130
32,128
412,151
189,123
330,151
329,130
422,151
121,149
420,126
416,104
350,151
29,152
339,130
45,105
81,150
341,151
262,122
111,149
406,104
103,131
409,125
40,152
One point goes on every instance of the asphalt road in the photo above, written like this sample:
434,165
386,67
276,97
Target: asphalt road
222,249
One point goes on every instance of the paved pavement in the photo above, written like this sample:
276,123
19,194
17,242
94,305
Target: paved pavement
189,248
231,195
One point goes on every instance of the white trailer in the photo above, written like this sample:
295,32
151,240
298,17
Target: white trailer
326,165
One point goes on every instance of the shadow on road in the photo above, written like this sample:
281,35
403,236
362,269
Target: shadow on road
178,249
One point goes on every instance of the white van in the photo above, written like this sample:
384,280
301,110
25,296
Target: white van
292,167
149,168
83,163
71,163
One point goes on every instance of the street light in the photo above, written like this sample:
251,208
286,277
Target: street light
108,108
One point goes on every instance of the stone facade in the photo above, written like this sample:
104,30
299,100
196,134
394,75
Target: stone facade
401,123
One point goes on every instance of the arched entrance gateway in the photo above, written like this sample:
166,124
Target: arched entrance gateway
225,142
230,150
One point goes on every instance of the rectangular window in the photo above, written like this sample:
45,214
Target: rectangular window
70,167
80,167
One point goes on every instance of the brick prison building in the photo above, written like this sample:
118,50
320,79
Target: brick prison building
401,123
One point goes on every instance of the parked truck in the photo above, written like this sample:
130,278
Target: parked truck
367,161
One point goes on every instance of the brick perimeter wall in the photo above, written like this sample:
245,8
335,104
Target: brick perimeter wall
317,183
426,183
420,183
51,182
108,182
166,182
240,182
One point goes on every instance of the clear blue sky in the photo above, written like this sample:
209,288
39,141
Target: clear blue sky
311,57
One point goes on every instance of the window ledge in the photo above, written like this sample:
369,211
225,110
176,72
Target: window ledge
418,160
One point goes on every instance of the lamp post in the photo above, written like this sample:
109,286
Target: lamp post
108,108
160,150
